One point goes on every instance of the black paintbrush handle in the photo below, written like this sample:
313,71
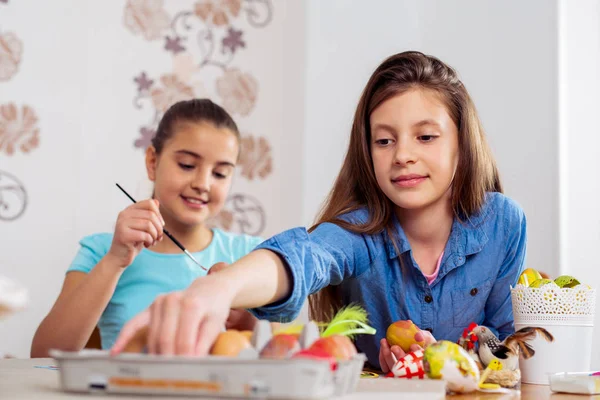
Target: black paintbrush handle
164,230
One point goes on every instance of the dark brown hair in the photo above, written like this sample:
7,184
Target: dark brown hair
356,186
192,111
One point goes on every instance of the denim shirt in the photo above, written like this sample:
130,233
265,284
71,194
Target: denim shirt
483,257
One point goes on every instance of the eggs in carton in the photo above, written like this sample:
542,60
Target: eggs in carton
309,361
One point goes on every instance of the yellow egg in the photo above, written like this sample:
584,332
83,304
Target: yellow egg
566,281
540,282
402,333
529,276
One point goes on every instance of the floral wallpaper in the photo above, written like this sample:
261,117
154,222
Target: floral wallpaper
19,132
13,197
203,42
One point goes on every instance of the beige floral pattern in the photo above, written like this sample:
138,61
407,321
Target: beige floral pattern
173,90
147,17
242,213
238,91
18,130
11,49
218,11
223,220
255,158
185,68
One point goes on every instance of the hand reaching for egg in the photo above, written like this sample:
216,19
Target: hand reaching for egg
238,319
402,337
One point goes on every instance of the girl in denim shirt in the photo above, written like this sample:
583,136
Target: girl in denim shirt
415,227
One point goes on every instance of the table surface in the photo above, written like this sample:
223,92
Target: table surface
20,379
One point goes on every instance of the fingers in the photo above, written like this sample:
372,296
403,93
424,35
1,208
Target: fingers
150,205
426,337
129,330
388,355
140,223
207,334
190,318
415,347
169,324
154,325
383,353
152,218
419,336
140,230
429,338
397,353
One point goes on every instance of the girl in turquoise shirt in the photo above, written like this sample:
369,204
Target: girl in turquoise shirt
115,276
415,228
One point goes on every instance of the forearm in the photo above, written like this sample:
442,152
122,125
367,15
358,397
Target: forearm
71,321
255,280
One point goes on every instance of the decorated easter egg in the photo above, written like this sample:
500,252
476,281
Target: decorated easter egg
450,362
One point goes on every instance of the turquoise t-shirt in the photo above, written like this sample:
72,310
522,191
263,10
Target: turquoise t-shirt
153,273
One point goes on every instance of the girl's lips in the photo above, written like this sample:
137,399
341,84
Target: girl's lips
410,182
194,203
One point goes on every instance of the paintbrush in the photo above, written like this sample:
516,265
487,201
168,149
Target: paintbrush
168,234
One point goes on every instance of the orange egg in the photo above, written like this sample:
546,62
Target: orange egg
137,344
230,343
248,334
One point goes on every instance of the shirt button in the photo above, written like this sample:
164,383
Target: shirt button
428,299
474,291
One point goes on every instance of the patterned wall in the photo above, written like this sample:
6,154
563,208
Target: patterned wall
81,94
203,42
19,132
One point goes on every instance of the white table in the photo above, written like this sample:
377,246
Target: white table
19,379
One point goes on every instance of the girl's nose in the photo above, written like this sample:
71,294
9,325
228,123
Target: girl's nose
202,181
405,153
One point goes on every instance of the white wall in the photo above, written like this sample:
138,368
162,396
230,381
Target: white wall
346,40
580,145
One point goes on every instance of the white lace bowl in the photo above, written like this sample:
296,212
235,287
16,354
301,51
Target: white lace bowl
568,314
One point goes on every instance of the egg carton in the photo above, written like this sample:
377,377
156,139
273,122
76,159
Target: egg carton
95,371
245,376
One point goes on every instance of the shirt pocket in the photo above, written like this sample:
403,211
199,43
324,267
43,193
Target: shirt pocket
468,303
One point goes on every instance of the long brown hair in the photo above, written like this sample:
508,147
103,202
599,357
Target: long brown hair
356,186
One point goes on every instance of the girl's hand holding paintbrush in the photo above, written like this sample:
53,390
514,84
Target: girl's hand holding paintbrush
139,225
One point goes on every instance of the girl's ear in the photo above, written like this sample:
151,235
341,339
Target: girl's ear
151,161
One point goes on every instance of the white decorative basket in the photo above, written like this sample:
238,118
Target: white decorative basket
568,314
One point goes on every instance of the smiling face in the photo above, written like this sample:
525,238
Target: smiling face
414,146
193,173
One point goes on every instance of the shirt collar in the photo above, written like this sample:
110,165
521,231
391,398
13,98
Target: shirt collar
466,237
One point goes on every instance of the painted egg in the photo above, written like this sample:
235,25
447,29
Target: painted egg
450,362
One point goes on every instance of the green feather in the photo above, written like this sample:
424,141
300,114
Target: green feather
349,321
